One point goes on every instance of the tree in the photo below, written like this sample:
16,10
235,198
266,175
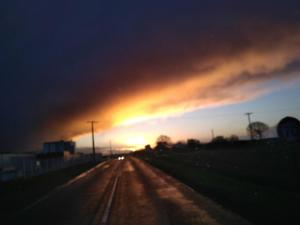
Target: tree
193,143
148,148
180,145
233,138
257,129
163,142
219,139
164,138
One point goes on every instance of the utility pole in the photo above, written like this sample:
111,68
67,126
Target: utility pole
248,114
212,134
110,149
92,122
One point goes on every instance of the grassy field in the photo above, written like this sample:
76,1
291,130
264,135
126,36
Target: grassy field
15,195
240,180
265,164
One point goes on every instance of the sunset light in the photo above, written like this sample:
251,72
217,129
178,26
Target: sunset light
150,112
136,141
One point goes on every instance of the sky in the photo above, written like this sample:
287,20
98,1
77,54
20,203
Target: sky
225,120
144,68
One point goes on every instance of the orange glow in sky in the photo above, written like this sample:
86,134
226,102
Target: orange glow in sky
138,141
228,80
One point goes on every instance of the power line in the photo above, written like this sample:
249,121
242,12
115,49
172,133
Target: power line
92,122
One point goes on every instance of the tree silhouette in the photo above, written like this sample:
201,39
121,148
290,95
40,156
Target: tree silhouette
233,138
148,148
193,143
219,139
164,138
257,129
163,142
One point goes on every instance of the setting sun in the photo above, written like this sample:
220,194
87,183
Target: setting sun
136,141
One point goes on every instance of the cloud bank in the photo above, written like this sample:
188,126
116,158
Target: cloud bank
63,63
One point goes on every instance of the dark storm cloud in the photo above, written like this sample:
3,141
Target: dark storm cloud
65,61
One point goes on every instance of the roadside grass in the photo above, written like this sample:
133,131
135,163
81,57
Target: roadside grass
260,163
262,205
16,195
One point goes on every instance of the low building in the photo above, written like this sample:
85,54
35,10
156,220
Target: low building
59,147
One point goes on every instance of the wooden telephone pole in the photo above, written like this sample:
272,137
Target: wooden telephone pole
92,122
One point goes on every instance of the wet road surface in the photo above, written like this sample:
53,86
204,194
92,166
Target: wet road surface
125,192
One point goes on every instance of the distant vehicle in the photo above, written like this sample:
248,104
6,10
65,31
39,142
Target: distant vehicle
121,158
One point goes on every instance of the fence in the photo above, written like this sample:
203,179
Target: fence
30,166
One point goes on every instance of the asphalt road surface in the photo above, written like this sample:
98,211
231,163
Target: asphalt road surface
123,192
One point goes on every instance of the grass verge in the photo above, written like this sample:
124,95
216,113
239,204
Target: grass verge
263,205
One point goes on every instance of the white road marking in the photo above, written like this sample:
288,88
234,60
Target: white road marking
62,186
108,207
109,204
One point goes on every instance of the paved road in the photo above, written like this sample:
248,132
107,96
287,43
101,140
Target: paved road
125,192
